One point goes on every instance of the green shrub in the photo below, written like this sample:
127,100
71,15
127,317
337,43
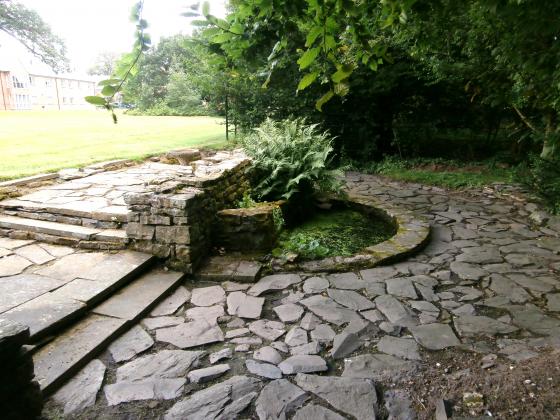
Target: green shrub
545,180
291,160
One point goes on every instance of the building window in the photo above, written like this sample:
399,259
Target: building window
16,83
48,83
31,81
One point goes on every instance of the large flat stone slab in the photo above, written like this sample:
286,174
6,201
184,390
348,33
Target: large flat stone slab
150,389
140,296
191,334
171,303
350,299
62,357
15,290
435,336
379,367
244,306
12,265
132,342
395,311
208,296
469,325
279,399
329,310
49,228
313,411
273,282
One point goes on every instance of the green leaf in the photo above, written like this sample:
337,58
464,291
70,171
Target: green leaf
342,74
237,28
341,89
323,100
96,100
308,57
109,82
206,8
221,38
313,35
307,80
108,90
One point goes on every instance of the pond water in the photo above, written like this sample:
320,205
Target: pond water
337,232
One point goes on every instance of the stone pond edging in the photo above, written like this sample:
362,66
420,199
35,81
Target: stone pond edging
413,233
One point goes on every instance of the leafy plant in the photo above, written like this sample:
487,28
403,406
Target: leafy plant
544,178
291,160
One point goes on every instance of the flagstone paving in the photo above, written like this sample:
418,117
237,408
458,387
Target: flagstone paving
346,345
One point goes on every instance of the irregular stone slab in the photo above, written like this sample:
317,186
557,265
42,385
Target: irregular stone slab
209,314
506,287
553,302
469,293
296,337
402,287
356,397
395,311
265,370
315,285
231,286
313,347
137,298
45,313
15,290
220,355
344,344
329,310
162,322
480,255
268,354
60,358
34,253
466,271
57,251
237,332
150,389
164,364
252,341
435,336
373,316
289,312
405,348
208,296
269,330
323,333
423,306
303,364
207,374
535,284
219,400
350,299
293,297
9,243
309,321
399,405
279,399
80,392
239,304
473,325
170,304
357,327
532,319
12,265
280,346
466,309
312,411
86,291
132,342
379,367
378,274
348,281
273,282
191,334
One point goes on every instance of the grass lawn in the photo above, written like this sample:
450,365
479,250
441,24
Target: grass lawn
44,141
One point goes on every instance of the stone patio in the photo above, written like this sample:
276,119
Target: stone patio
331,346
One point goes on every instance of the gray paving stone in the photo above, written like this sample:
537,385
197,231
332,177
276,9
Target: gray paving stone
215,357
273,282
296,336
57,251
289,312
349,281
269,330
373,316
350,299
309,321
344,344
81,391
435,336
323,333
13,265
553,302
466,309
423,306
34,253
474,325
15,290
313,347
405,348
280,346
231,286
402,287
264,370
209,314
268,354
149,389
162,322
303,364
312,411
224,400
504,286
244,306
208,296
170,304
379,367
252,341
535,284
378,274
534,320
60,358
395,311
399,405
238,332
356,397
315,285
9,243
329,310
165,364
480,255
132,342
207,374
191,334
138,297
466,271
279,399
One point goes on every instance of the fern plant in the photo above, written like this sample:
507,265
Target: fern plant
291,160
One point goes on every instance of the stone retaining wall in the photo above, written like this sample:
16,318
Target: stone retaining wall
176,219
20,395
247,229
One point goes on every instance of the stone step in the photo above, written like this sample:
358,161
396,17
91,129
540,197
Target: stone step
60,359
80,281
74,235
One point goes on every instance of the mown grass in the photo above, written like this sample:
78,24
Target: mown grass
44,141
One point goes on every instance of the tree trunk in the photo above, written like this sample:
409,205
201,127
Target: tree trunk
550,146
